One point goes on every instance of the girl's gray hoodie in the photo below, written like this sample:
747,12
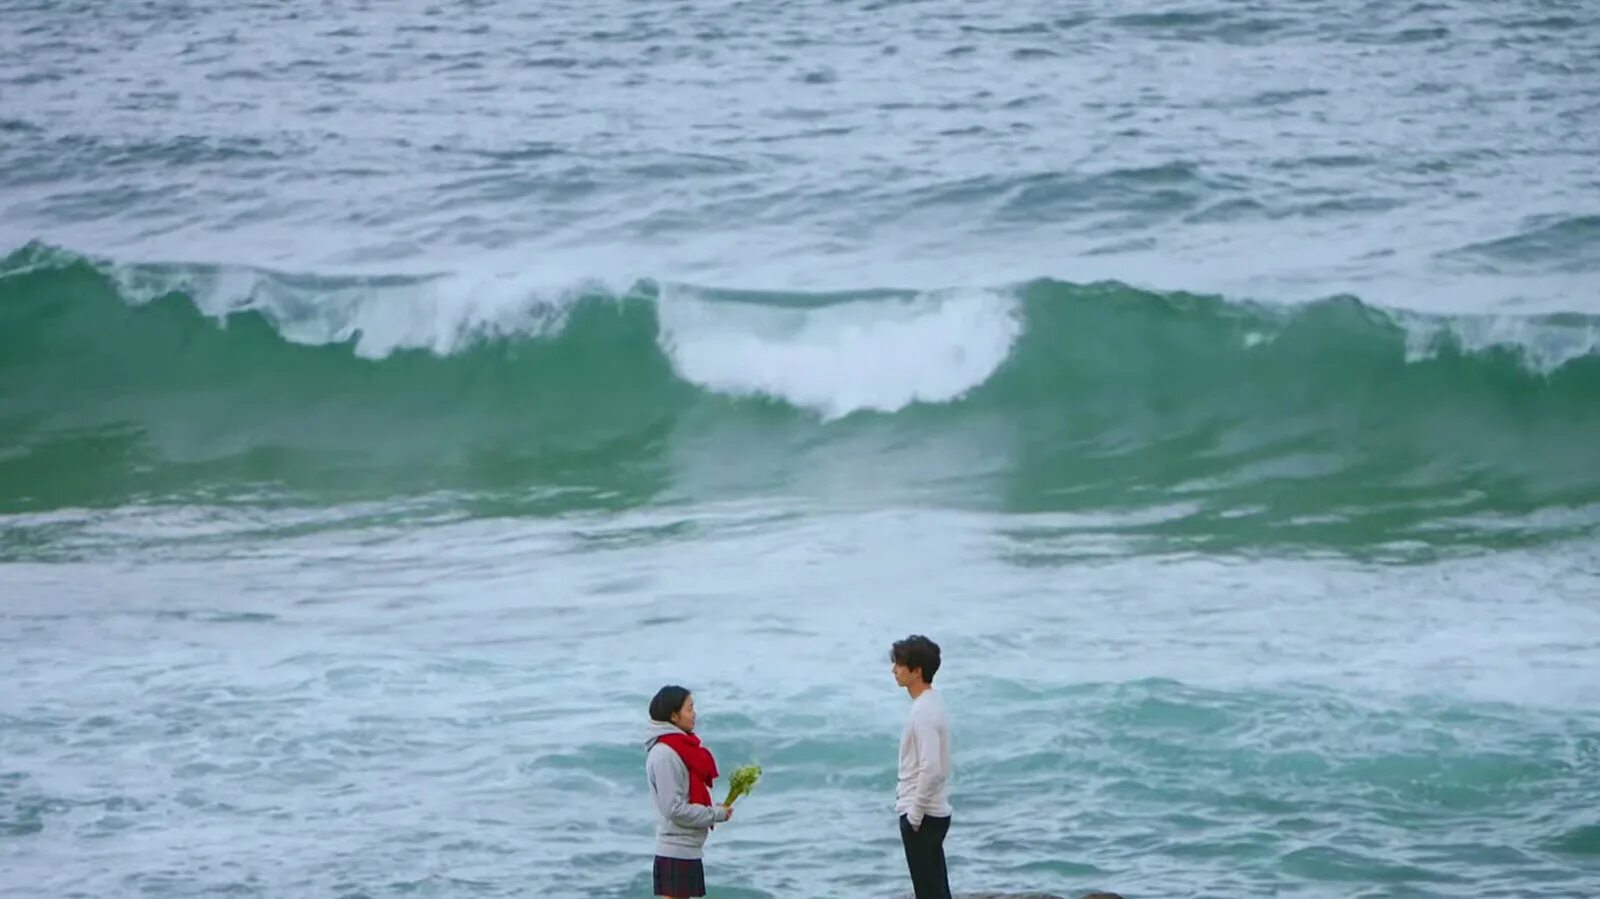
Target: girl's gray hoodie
682,829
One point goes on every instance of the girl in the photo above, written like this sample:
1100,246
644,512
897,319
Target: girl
680,772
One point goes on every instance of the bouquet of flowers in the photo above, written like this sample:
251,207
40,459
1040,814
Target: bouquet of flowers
741,782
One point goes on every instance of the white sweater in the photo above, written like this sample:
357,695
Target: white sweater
924,761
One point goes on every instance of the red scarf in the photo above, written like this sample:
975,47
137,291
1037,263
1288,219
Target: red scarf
702,767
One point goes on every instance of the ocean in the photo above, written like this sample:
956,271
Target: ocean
394,395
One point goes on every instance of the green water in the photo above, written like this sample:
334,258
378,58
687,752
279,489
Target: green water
394,396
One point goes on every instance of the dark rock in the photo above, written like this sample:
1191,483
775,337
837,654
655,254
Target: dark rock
1029,896
1007,896
1024,896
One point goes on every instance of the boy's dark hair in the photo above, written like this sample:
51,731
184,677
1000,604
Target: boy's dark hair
917,651
668,702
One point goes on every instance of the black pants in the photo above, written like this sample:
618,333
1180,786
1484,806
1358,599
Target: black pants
925,857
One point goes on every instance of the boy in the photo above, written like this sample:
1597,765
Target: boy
922,799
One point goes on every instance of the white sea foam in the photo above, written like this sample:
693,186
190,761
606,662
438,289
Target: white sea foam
878,356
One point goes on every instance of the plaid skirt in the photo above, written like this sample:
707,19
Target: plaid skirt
680,877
